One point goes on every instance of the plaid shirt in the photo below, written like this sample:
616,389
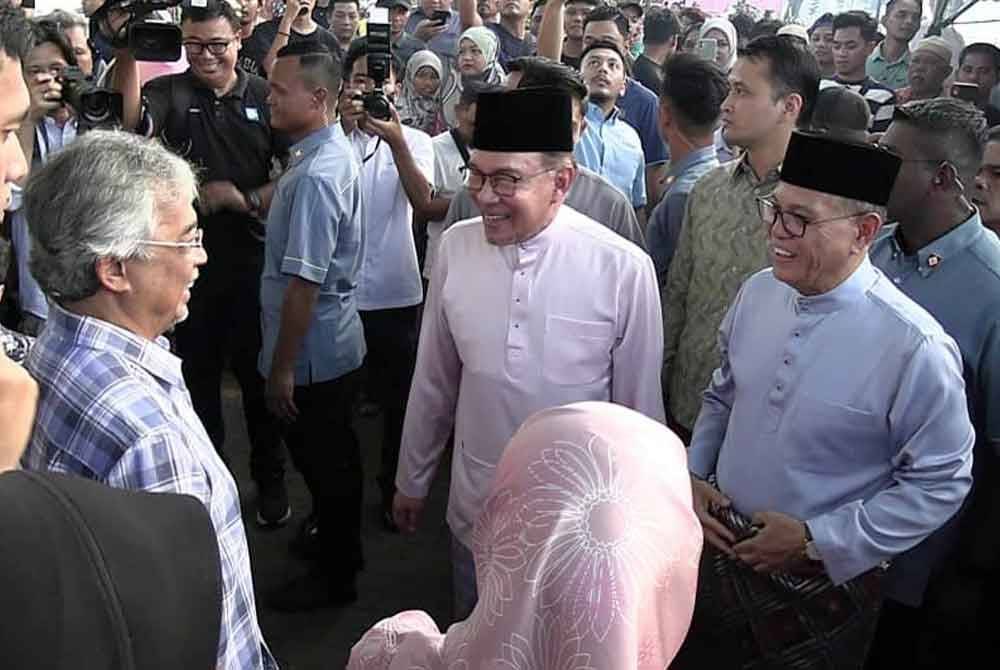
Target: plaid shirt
113,407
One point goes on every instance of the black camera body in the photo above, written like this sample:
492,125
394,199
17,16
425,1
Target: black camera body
95,107
379,55
148,40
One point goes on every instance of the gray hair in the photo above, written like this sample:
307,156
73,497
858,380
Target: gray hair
66,19
98,198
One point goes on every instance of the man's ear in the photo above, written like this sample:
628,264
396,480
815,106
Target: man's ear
868,227
112,275
563,181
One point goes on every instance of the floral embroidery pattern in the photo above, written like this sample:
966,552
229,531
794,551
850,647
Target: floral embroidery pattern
549,649
499,554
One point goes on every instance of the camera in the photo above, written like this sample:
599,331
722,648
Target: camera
379,62
149,40
95,107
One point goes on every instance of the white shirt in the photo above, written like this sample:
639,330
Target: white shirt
448,178
390,274
572,314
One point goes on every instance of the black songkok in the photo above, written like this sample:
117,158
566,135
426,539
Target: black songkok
828,165
531,120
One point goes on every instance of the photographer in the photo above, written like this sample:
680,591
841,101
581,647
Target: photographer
397,177
217,116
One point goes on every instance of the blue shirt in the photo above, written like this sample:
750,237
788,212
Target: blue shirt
113,407
845,410
510,47
612,149
640,109
665,224
315,232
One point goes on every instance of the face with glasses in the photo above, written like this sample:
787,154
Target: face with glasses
159,286
814,240
211,48
518,193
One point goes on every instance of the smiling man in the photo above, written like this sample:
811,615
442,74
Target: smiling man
835,429
530,306
118,250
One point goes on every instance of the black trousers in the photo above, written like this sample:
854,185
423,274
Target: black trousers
326,451
391,336
224,324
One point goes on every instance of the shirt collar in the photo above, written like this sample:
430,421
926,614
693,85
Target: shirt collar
743,167
310,143
692,159
946,247
596,114
236,92
91,332
850,291
878,56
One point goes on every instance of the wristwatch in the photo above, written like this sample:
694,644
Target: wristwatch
810,550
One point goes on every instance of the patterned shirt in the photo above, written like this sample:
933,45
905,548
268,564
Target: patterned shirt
722,243
113,407
880,98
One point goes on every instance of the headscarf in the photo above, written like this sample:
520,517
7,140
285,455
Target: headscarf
586,555
729,29
493,74
420,111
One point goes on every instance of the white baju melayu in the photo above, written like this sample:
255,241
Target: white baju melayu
572,314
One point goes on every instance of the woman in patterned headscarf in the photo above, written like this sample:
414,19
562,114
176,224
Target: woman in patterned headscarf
478,53
586,555
419,103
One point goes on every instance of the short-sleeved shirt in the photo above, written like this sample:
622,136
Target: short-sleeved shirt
880,98
648,73
884,71
444,45
315,232
448,180
227,139
640,109
611,148
390,272
256,46
510,46
406,46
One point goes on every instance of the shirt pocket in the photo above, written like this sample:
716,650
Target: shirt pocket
577,352
830,437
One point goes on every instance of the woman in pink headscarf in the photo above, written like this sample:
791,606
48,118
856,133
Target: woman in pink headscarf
586,555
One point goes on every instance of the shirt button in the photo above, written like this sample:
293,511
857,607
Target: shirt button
778,387
787,362
517,300
897,280
516,326
797,333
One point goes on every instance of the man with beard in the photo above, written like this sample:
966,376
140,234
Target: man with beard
511,31
530,306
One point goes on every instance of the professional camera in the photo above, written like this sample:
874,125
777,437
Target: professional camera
95,107
149,40
379,63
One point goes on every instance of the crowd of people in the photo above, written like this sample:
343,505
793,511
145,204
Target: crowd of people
706,311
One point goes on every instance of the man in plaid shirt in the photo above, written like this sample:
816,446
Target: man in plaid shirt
116,249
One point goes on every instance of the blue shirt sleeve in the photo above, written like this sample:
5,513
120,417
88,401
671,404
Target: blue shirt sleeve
312,230
639,186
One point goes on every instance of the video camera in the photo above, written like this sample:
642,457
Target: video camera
149,40
379,63
95,107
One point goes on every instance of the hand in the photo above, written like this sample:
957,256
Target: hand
45,92
280,392
777,546
391,131
292,9
18,399
427,30
352,110
704,498
215,196
406,512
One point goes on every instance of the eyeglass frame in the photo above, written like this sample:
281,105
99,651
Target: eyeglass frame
779,217
467,171
197,243
203,46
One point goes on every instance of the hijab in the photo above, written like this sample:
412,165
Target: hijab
493,74
726,26
418,111
586,555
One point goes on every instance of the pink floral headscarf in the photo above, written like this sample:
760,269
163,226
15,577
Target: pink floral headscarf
586,555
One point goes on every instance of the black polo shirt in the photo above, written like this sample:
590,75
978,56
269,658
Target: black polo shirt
228,139
256,46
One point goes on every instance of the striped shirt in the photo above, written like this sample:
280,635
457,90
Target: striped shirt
113,407
880,98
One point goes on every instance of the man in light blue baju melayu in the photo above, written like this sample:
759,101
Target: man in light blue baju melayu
836,425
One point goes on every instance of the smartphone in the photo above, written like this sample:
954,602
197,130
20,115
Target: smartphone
27,4
440,17
963,91
708,49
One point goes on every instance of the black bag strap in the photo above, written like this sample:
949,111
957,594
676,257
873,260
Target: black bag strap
462,149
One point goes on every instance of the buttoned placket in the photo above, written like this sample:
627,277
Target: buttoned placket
807,318
525,266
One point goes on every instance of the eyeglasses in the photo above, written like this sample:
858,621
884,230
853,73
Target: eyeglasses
195,243
792,224
502,184
215,48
